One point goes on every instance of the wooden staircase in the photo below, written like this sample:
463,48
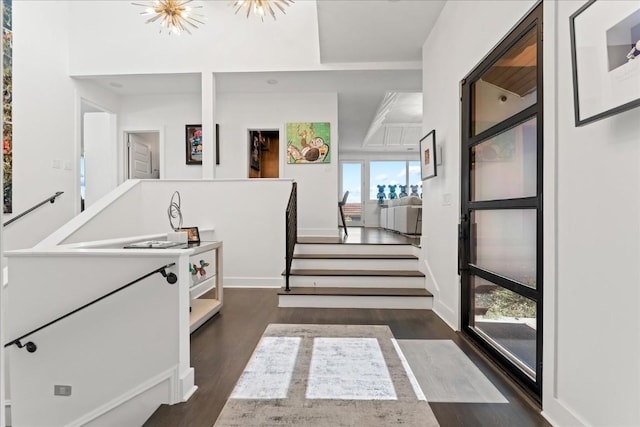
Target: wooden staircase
336,275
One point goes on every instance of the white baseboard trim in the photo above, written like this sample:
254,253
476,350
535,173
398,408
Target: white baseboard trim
254,282
446,314
168,375
559,414
187,385
429,273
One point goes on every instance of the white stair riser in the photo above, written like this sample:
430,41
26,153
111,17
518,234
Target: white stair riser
358,281
348,301
310,248
355,264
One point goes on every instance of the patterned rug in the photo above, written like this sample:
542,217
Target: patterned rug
326,375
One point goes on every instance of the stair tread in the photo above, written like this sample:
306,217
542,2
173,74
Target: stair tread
337,241
333,272
353,256
400,292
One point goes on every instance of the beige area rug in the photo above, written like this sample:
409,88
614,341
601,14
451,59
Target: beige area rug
326,375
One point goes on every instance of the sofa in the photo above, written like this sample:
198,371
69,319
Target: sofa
403,215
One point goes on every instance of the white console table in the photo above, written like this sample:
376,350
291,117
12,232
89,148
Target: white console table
203,307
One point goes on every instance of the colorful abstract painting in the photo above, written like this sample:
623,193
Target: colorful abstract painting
308,143
7,54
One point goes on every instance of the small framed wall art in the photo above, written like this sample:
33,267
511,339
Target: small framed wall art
428,155
193,137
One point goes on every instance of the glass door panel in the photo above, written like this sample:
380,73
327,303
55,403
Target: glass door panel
351,178
504,242
507,320
504,166
508,86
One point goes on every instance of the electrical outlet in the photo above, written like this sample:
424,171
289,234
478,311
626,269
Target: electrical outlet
61,390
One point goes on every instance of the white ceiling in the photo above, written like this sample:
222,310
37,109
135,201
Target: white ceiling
380,41
375,31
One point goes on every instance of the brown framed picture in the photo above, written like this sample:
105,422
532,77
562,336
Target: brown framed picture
428,155
193,137
192,233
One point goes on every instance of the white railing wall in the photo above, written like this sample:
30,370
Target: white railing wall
130,347
247,215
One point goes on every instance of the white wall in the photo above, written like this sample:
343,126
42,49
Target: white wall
167,113
100,155
596,288
317,184
44,122
592,220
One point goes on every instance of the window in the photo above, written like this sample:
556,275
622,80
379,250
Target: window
396,172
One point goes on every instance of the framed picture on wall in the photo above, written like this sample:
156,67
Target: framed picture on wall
308,143
193,137
255,150
428,155
605,57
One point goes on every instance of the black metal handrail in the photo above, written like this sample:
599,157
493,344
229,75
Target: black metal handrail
51,199
291,218
31,347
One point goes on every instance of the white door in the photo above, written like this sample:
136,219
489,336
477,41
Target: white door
143,155
139,158
100,155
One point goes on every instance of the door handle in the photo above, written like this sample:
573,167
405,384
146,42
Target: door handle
462,243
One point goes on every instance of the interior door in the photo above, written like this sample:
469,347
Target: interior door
352,181
140,166
501,206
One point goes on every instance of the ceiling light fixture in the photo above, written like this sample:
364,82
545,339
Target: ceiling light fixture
174,15
261,7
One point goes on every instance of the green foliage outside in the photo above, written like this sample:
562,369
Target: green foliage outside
505,303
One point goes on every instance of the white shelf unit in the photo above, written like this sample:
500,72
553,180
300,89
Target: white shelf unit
202,309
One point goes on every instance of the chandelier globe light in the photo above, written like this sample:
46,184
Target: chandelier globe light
175,16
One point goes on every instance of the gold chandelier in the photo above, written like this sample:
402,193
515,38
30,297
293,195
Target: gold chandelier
262,7
174,15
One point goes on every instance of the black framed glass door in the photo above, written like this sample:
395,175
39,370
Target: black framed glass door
501,206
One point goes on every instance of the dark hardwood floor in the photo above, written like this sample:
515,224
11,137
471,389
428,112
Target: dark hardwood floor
221,348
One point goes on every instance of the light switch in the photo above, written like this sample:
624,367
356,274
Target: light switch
61,390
